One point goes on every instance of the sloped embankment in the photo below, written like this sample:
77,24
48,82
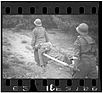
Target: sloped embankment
18,59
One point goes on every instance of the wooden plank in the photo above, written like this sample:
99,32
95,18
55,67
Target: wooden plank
56,60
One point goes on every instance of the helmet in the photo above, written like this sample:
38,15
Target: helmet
82,29
38,22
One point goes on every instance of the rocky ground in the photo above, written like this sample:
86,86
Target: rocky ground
18,59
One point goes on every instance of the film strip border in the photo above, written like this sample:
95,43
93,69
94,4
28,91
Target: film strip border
50,7
17,8
40,85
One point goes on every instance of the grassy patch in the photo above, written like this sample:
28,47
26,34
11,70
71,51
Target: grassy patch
29,48
24,41
6,66
52,32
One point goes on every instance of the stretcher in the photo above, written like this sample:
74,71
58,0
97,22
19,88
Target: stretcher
61,62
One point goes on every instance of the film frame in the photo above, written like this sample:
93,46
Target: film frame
40,85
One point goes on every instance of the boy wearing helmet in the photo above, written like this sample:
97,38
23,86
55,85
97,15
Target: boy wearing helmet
84,51
39,37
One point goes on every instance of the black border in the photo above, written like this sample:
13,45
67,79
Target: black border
51,10
51,6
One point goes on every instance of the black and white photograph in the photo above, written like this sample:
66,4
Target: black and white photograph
50,46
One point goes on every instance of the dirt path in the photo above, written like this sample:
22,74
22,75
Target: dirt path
18,58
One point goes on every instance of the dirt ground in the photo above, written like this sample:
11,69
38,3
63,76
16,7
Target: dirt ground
18,57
